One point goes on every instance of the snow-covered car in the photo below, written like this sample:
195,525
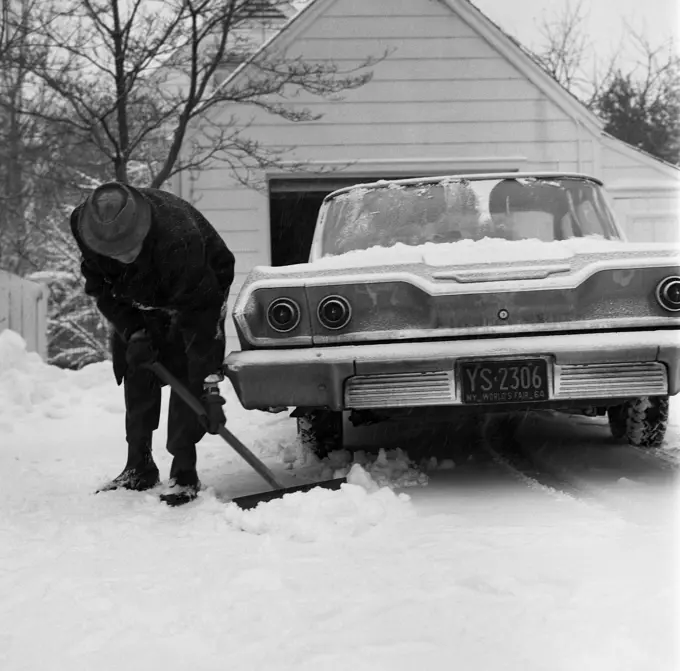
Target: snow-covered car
464,294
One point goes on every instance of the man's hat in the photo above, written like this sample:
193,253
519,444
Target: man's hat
115,219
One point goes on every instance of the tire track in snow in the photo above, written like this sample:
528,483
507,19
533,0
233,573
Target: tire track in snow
527,464
497,438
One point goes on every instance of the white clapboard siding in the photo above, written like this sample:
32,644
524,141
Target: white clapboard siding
645,192
649,217
376,28
435,111
23,309
364,10
450,133
621,163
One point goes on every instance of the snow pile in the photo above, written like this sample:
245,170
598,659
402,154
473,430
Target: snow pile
29,385
468,252
671,446
322,514
25,380
388,468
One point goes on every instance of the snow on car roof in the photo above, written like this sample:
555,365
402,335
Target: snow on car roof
472,252
382,183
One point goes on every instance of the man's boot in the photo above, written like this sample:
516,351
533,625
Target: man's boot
181,489
140,472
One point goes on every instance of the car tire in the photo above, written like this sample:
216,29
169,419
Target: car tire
642,422
617,415
321,431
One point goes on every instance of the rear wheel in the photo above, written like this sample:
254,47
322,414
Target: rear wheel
642,421
321,431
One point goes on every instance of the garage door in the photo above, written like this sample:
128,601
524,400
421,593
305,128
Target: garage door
649,219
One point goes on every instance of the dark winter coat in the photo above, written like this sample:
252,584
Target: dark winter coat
184,271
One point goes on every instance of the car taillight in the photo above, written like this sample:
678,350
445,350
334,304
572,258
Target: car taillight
668,294
334,312
283,314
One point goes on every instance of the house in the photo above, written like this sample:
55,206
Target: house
454,95
258,22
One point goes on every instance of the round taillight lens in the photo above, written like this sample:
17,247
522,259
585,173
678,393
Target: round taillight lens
334,312
283,314
668,294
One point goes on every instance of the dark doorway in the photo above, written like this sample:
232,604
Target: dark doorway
293,218
293,208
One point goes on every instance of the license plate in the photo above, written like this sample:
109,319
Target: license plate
504,381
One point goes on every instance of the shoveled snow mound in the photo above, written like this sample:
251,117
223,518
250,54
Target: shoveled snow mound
24,379
29,386
366,501
484,251
391,468
321,513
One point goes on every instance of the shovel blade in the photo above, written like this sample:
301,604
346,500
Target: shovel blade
251,500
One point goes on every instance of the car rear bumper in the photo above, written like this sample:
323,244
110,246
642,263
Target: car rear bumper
587,366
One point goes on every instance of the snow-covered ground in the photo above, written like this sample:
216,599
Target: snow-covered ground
466,568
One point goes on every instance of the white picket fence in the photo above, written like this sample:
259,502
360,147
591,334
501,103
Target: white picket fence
23,308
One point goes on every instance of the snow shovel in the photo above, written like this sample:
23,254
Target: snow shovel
251,500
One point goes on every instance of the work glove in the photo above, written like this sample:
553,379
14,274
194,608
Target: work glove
140,350
214,415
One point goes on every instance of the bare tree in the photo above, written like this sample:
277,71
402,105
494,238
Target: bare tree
566,54
132,77
20,137
37,156
639,101
564,47
642,106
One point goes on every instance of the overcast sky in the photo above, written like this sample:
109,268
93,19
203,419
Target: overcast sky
657,19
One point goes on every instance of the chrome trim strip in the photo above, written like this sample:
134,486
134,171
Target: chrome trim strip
471,177
567,348
559,328
499,274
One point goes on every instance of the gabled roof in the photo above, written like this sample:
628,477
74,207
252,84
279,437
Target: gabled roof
507,46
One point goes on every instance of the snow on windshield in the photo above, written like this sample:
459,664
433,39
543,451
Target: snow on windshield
452,210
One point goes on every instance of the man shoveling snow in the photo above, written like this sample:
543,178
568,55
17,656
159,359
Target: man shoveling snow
161,275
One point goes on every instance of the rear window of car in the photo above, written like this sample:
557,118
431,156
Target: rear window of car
459,209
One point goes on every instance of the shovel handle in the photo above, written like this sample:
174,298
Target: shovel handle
166,376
